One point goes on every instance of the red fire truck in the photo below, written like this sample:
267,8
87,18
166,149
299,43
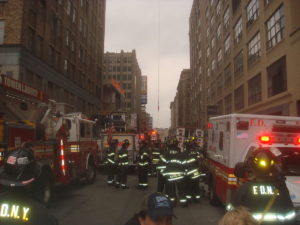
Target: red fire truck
65,145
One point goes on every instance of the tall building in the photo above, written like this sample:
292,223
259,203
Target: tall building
183,94
56,46
124,69
244,57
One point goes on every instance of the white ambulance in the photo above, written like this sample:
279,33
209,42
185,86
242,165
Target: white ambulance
232,137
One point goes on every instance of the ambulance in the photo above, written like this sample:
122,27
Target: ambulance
231,138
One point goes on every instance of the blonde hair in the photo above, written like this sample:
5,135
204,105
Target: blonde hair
238,216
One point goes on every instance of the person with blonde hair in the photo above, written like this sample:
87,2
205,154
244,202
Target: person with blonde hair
238,216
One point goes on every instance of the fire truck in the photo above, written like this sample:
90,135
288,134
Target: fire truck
64,144
231,138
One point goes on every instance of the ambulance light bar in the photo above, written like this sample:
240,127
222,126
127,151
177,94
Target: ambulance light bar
280,139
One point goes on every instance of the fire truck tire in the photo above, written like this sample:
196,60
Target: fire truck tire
91,172
45,187
213,198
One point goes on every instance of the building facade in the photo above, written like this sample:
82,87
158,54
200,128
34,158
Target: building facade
124,69
56,46
244,57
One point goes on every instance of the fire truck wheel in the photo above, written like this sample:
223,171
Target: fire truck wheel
213,198
45,187
91,172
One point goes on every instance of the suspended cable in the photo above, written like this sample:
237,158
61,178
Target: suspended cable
158,55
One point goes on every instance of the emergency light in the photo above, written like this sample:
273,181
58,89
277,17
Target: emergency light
298,141
265,139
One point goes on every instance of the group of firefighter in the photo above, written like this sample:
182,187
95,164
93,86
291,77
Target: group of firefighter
177,171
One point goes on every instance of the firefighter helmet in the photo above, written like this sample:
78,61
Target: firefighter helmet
262,162
125,143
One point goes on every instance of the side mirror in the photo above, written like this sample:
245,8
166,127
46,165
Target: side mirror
240,170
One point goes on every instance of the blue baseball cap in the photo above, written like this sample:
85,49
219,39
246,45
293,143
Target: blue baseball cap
158,205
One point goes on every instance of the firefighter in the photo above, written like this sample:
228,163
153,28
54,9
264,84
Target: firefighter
19,176
160,167
174,174
266,194
122,165
143,161
155,154
192,171
110,161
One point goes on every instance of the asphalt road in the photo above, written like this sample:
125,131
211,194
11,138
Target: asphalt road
100,204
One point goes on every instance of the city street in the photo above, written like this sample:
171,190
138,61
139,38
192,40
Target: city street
99,204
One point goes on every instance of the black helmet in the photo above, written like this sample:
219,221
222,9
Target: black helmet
262,161
20,168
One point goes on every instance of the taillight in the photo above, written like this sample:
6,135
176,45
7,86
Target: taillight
62,157
264,139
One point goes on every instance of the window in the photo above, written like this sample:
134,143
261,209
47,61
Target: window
39,46
227,76
74,15
213,64
254,90
207,32
68,5
219,30
238,65
239,98
208,72
226,18
219,8
228,104
238,28
65,65
277,79
275,27
221,140
208,52
80,24
220,56
31,39
2,29
235,5
212,20
206,13
252,11
213,42
254,49
219,85
129,86
129,68
227,45
68,38
220,107
267,2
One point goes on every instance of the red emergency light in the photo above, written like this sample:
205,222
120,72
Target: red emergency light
265,139
297,140
208,125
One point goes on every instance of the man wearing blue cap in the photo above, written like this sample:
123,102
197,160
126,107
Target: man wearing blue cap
156,210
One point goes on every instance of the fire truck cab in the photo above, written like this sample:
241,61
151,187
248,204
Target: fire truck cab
231,138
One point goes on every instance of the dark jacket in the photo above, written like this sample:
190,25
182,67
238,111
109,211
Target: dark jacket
109,156
255,195
123,157
18,209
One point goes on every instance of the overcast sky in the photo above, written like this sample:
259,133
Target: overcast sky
135,24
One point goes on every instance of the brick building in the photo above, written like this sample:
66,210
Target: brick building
245,57
56,46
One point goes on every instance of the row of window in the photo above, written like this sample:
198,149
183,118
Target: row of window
253,46
276,84
117,69
117,60
274,28
117,77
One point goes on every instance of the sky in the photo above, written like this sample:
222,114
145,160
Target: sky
159,32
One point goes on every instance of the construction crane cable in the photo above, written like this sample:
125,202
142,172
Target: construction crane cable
158,55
